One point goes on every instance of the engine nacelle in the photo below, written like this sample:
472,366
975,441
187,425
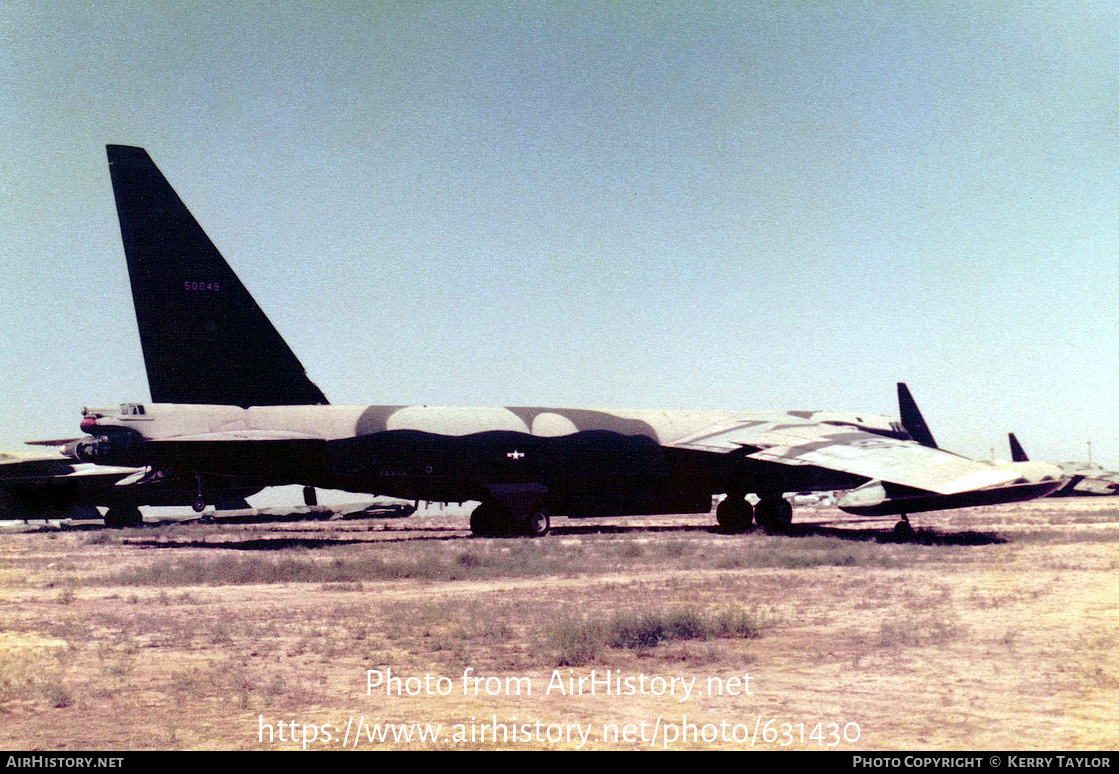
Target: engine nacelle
121,449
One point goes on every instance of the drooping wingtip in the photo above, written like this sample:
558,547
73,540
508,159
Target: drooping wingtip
1013,482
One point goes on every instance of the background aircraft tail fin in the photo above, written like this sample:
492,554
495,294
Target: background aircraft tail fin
912,420
1017,453
205,340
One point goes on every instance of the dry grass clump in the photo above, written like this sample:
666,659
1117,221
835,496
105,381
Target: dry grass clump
29,677
345,568
580,641
931,628
338,574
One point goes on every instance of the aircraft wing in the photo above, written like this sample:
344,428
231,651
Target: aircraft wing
32,467
44,486
1098,485
247,454
228,436
20,469
85,470
790,440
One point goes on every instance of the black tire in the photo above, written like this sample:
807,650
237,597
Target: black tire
735,515
119,518
774,514
480,522
537,524
491,520
763,514
502,522
784,514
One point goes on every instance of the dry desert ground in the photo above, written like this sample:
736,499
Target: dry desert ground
994,629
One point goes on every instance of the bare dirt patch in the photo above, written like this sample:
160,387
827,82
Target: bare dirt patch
995,629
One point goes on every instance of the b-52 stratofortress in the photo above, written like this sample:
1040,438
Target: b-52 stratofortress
265,423
60,486
1084,479
54,486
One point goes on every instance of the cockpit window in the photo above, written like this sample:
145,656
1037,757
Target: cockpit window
132,409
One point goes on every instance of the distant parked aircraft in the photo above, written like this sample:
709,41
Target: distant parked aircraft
1084,478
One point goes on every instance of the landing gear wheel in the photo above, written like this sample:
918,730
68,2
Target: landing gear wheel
774,514
502,523
537,524
735,514
903,530
480,522
491,520
784,515
199,504
118,518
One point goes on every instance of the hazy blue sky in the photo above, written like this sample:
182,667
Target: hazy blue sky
683,205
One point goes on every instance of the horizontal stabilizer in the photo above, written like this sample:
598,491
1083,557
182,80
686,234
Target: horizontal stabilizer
54,442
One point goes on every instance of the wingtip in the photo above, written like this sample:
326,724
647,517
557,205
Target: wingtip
982,479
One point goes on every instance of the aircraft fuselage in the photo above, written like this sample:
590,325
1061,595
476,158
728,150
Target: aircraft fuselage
591,462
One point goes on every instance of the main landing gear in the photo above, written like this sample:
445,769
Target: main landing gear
492,519
735,513
118,518
903,530
773,513
199,503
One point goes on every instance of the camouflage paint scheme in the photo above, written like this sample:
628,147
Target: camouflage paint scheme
1084,479
591,462
59,486
231,402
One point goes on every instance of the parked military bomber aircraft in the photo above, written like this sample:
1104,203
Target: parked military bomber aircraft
265,423
1083,479
60,486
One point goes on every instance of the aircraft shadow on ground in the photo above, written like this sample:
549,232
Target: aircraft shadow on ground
269,544
923,536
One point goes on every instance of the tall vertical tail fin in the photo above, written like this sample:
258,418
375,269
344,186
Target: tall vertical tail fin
205,340
912,420
1017,453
